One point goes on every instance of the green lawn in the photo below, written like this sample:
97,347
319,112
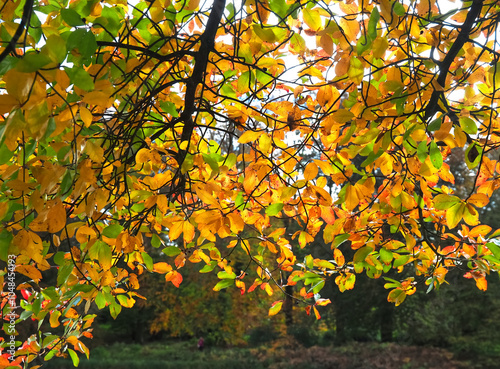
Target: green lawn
279,355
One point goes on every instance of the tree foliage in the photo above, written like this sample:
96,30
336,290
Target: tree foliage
200,128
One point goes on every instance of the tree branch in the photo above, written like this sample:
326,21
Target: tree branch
28,6
146,51
207,43
444,66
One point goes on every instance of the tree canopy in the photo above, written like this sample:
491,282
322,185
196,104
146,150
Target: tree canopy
138,137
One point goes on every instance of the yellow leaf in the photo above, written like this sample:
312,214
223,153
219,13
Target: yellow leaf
311,171
175,230
56,218
480,230
249,136
85,234
479,199
342,116
94,151
325,95
275,308
187,231
29,271
54,318
471,216
339,257
237,223
264,143
98,98
379,47
204,196
18,84
86,116
162,267
482,283
323,197
312,18
454,215
287,193
351,197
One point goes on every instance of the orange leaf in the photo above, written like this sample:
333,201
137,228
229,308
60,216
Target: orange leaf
311,171
479,199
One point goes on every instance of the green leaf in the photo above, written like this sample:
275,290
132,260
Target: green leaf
468,125
385,255
148,261
362,253
212,163
274,209
80,78
225,275
7,64
104,254
100,300
223,284
84,42
114,309
473,155
340,239
71,17
372,24
318,286
265,34
156,241
50,355
494,248
5,240
399,9
33,61
364,43
279,7
230,160
63,273
231,9
422,152
171,251
400,260
112,231
209,267
435,124
49,339
435,155
111,18
444,202
74,357
55,48
5,154
66,183
169,108
35,29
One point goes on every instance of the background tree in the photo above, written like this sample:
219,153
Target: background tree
184,126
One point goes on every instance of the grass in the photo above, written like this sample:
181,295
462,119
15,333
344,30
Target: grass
164,355
280,354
